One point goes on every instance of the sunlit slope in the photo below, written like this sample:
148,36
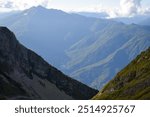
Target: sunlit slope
133,82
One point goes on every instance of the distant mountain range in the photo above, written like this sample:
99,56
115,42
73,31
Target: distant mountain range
93,14
25,75
7,14
130,20
133,82
145,22
90,50
137,19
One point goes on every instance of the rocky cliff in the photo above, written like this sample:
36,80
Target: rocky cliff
25,75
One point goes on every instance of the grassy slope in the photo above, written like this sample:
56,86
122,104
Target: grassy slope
133,82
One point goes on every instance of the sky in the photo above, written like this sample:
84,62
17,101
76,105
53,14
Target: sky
112,7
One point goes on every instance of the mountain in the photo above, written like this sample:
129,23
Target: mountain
96,59
131,20
93,14
137,19
48,32
90,50
7,14
25,75
133,82
145,22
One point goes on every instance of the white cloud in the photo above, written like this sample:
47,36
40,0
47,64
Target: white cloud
127,8
22,4
130,7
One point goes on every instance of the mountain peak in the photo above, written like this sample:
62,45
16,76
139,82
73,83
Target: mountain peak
6,34
38,7
4,29
40,10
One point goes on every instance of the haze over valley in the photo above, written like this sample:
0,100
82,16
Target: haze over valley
88,45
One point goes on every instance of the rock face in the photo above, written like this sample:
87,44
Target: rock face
133,82
25,75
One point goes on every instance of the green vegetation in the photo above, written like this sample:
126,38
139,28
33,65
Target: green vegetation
133,82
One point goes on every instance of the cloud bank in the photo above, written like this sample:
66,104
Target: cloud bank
130,7
22,4
127,8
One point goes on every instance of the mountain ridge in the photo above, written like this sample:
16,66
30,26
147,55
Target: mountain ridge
132,82
22,70
145,22
86,49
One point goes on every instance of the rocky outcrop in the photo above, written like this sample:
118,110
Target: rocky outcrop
25,75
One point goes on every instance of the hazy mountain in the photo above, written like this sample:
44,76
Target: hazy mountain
25,75
133,82
7,14
96,59
94,14
49,32
145,22
137,19
132,20
90,50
